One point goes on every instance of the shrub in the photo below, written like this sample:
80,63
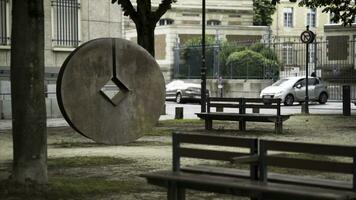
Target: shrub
251,64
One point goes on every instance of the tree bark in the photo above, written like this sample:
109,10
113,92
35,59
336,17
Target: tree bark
27,92
146,37
145,20
145,26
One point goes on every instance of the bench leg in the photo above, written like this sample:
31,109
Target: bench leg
279,126
175,193
242,125
208,124
181,194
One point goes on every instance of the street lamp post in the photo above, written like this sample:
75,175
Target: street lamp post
203,67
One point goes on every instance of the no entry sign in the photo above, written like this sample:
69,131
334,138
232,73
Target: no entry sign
307,37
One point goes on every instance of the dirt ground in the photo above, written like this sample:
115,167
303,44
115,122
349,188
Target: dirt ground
153,152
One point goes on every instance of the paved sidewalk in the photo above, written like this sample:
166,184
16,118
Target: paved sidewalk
59,122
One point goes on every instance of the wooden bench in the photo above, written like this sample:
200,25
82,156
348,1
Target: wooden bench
241,104
260,184
177,179
308,157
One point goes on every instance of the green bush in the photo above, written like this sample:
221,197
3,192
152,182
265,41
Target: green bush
251,64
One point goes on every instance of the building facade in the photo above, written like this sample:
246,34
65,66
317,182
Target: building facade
68,24
290,20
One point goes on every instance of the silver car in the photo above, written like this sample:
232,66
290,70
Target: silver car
181,91
292,89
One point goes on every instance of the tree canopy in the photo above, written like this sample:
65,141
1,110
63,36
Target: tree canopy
263,10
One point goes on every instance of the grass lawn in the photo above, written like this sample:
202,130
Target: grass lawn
78,168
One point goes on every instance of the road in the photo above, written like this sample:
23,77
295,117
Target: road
190,109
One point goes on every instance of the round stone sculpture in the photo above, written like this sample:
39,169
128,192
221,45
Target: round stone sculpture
110,90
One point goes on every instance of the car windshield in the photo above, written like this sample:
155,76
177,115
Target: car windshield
281,82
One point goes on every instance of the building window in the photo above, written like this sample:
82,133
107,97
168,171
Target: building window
287,53
288,17
165,22
65,23
213,22
311,18
4,22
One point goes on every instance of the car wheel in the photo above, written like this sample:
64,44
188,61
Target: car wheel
179,98
289,100
323,98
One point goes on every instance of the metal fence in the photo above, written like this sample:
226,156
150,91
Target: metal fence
333,59
188,62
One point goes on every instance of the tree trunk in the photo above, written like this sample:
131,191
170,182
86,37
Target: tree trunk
145,26
146,37
27,92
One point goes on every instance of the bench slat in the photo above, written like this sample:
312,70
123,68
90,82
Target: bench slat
261,106
272,177
259,100
209,154
227,99
296,163
215,140
245,117
225,105
299,147
245,187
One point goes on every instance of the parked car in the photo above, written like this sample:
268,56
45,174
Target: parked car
292,89
181,91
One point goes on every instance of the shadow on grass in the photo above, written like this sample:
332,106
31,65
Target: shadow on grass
69,188
86,161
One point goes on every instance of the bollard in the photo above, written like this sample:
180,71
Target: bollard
179,113
305,108
346,100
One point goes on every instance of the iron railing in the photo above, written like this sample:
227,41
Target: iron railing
332,59
65,18
187,63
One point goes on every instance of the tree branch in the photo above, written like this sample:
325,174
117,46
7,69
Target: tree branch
127,8
344,11
162,9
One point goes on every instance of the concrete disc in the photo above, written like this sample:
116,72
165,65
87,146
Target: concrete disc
110,90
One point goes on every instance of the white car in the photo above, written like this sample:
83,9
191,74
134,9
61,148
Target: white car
292,89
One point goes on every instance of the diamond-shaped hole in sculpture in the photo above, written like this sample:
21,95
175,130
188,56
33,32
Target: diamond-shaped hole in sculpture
114,91
110,89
